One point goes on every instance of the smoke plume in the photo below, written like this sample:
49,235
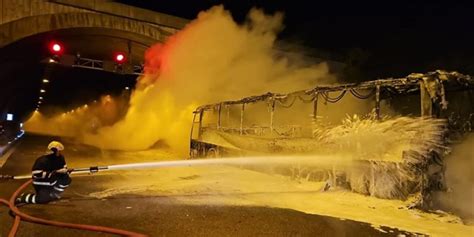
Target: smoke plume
212,59
459,180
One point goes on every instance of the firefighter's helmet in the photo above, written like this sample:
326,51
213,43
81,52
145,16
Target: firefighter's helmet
55,145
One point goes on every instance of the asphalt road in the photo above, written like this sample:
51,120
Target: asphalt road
155,215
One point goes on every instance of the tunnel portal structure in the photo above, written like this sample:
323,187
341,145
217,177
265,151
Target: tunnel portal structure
23,18
90,33
229,128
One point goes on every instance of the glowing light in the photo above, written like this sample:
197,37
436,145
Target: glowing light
56,47
119,57
39,102
9,117
41,97
127,88
22,132
42,91
45,80
51,60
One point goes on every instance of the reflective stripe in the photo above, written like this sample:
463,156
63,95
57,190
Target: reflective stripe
39,174
33,199
63,186
45,183
27,197
59,189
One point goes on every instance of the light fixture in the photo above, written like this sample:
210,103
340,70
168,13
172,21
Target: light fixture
45,80
42,91
119,58
56,48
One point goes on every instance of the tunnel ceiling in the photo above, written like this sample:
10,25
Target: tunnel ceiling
21,69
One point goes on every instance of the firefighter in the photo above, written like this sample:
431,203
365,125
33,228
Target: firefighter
50,176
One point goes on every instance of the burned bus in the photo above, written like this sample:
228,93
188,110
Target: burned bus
398,127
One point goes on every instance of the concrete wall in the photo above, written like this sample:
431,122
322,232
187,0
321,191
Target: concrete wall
12,10
109,7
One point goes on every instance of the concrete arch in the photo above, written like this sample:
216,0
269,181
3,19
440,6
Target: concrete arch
28,26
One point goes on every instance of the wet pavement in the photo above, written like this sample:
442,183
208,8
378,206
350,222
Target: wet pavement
148,208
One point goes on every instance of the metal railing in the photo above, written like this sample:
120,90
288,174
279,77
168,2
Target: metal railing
95,64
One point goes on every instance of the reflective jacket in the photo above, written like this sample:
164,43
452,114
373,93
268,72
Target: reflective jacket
43,168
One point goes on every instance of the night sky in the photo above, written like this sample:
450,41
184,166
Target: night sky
379,39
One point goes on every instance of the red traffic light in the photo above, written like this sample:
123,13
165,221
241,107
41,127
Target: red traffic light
119,58
55,48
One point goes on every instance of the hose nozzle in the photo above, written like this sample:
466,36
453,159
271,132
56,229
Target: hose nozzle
94,169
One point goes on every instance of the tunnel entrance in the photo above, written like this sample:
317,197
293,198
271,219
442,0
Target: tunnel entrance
36,80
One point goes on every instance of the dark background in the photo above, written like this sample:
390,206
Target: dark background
376,39
372,40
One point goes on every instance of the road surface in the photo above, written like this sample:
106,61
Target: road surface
151,202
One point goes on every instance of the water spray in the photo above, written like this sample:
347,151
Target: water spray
280,160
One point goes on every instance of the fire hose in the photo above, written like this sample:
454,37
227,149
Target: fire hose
19,216
175,163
